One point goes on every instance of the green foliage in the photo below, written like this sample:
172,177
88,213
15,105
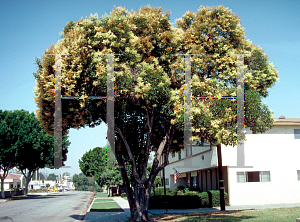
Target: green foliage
111,177
95,163
52,176
83,183
214,198
25,144
123,194
37,191
160,190
157,182
149,81
189,200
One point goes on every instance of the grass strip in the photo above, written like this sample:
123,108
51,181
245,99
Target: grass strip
106,207
103,200
101,195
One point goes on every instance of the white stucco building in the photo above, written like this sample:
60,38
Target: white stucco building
12,181
274,176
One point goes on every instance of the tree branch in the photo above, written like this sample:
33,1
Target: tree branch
160,150
149,134
129,154
166,161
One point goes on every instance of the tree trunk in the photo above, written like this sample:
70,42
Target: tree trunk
26,186
28,177
2,188
141,202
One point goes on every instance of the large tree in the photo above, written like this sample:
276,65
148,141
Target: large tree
32,146
149,84
7,150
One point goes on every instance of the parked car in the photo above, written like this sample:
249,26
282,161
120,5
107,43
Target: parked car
49,189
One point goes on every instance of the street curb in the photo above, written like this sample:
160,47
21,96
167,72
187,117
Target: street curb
83,213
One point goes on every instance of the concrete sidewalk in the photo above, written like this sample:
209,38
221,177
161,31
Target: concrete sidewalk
123,216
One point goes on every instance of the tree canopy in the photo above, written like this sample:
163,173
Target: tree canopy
25,144
149,83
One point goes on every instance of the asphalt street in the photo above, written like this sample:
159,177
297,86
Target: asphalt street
63,207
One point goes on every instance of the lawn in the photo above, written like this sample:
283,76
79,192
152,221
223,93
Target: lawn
103,200
101,195
106,207
278,214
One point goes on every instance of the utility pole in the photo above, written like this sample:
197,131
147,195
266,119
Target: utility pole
221,181
164,183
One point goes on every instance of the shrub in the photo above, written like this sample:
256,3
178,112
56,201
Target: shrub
214,198
123,195
203,198
90,188
180,192
191,199
160,191
98,189
151,193
192,193
174,191
186,190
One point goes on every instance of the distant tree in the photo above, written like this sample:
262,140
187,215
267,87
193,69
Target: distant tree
93,163
40,176
111,176
52,176
99,163
82,183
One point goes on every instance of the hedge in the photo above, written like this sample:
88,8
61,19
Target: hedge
188,200
160,191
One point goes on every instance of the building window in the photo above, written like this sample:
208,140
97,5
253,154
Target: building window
240,177
297,133
253,176
298,173
173,154
265,176
194,182
167,181
179,155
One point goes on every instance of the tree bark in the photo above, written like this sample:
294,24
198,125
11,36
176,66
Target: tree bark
4,175
2,188
28,177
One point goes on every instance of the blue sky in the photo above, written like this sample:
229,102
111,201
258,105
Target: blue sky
29,27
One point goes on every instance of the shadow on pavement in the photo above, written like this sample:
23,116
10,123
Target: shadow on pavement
6,219
76,216
213,216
